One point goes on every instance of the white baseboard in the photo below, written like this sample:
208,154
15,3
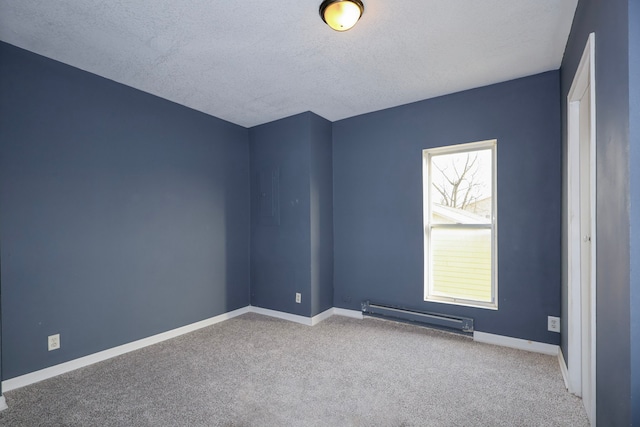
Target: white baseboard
81,362
563,368
52,371
322,316
520,344
309,321
281,315
3,403
348,313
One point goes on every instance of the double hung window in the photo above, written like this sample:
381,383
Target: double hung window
460,226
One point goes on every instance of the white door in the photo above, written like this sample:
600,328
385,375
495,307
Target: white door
585,247
581,233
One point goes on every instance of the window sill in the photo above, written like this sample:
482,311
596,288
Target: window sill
464,303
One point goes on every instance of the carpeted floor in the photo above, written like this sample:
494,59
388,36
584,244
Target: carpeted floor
259,371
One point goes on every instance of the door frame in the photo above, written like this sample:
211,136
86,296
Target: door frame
583,79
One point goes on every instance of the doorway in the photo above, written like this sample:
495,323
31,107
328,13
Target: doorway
581,256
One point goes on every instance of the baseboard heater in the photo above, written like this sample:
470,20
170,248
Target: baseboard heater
462,324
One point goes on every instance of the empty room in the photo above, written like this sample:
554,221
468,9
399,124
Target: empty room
320,213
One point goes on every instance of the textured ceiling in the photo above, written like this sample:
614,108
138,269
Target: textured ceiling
254,61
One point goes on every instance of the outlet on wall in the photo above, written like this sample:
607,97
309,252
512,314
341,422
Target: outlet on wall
553,324
298,297
54,342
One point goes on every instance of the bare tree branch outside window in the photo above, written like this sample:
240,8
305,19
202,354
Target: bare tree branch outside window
459,182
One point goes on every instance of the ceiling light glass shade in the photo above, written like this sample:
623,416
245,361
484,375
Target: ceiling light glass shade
341,15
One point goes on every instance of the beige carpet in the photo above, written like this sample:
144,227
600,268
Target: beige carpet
258,371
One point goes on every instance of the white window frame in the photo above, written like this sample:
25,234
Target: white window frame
428,226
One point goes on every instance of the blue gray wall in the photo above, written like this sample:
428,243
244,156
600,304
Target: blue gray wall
634,159
321,174
609,20
291,252
378,239
122,215
281,247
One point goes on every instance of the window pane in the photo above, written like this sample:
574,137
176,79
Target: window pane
461,263
461,188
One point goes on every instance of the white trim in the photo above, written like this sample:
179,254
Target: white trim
308,321
81,362
62,368
594,239
348,313
584,77
563,368
282,315
573,254
520,344
322,316
428,225
53,371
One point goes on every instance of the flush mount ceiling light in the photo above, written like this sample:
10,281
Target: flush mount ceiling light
341,15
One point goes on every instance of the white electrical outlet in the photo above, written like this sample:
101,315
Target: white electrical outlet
54,342
553,324
298,297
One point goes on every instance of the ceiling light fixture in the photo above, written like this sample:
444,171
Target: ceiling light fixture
341,15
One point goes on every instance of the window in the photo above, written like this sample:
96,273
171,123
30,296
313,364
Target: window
460,224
